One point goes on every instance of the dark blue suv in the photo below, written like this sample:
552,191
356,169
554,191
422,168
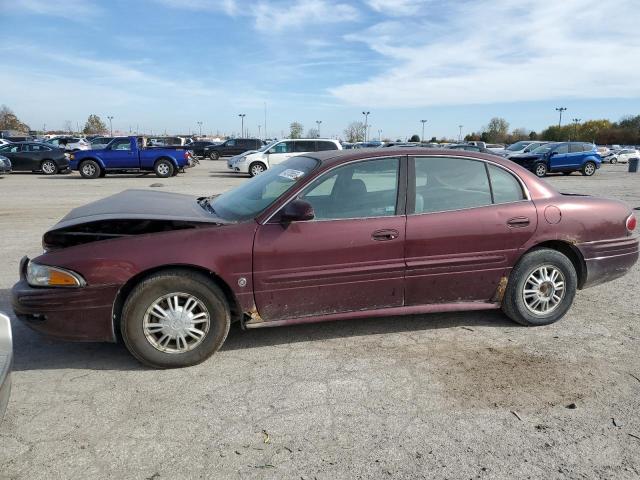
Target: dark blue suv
565,157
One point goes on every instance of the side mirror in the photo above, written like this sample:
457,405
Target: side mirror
551,154
297,211
271,150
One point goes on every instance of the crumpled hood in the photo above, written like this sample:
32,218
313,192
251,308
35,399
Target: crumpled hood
140,204
525,157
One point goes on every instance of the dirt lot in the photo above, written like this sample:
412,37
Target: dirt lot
468,395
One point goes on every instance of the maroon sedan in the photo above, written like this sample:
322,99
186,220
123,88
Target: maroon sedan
325,236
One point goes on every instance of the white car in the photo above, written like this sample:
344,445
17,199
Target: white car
623,156
70,144
3,141
277,152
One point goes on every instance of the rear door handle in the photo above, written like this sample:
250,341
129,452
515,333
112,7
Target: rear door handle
386,234
518,222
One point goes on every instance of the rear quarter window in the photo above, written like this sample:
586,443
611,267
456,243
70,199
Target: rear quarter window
505,187
323,146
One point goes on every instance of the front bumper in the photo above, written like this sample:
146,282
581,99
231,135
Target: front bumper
78,314
607,260
6,361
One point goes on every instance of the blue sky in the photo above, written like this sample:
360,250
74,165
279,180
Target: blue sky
167,64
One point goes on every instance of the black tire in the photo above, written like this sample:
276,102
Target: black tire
161,284
164,168
514,305
103,173
540,170
256,168
588,169
90,169
49,167
214,156
613,160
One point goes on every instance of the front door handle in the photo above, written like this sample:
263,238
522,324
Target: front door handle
386,234
518,222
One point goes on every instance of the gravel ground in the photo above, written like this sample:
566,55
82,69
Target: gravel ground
466,395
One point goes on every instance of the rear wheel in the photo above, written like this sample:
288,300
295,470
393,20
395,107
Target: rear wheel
163,168
49,167
541,288
589,169
90,169
540,170
214,155
256,168
175,318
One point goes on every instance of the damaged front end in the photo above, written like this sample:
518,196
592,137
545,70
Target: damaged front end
108,229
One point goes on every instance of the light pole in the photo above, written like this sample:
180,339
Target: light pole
379,135
242,115
318,122
422,137
110,124
200,125
576,121
366,119
560,109
460,134
259,127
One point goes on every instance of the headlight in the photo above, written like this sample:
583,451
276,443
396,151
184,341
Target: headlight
46,276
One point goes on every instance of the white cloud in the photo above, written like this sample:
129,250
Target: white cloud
271,17
70,9
487,51
397,7
229,7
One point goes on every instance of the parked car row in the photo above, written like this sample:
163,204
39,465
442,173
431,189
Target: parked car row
35,157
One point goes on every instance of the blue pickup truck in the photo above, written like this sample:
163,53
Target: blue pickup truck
129,154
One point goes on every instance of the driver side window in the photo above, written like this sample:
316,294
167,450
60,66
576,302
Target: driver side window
359,190
124,144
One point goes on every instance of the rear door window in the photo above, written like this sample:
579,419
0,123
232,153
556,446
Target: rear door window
444,184
323,146
562,149
302,146
505,187
576,147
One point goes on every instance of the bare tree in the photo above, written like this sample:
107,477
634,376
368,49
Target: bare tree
295,130
354,132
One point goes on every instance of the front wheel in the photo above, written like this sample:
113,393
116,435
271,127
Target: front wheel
540,170
214,155
541,288
90,169
49,167
256,168
589,169
163,168
613,160
175,318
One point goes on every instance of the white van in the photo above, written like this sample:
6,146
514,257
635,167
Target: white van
277,152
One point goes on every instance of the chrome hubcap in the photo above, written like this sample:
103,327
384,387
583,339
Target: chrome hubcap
540,170
48,167
256,169
163,169
589,169
176,323
544,290
88,169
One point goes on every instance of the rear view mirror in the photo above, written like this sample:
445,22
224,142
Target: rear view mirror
297,211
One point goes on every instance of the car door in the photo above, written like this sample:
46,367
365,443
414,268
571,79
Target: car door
280,152
120,154
558,157
576,155
350,257
467,221
14,152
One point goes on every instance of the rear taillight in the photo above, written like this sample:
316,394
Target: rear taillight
631,223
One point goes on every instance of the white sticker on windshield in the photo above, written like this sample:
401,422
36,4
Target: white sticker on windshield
292,174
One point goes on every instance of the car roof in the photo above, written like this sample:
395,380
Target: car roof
333,157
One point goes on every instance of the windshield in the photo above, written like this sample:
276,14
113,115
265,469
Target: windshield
268,146
253,196
544,148
517,146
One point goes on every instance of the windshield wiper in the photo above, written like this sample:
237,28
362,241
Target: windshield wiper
205,202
